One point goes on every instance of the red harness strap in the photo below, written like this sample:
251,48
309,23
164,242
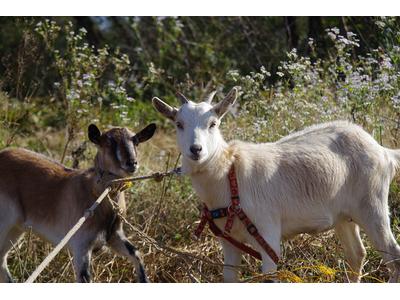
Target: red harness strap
230,212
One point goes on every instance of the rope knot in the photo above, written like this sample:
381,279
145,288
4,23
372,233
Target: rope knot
158,176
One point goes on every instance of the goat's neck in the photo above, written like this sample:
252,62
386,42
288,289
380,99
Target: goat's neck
101,177
210,178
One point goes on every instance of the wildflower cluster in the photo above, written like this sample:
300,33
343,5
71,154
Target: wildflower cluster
364,89
84,77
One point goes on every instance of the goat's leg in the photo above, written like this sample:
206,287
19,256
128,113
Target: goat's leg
273,237
232,257
7,240
81,259
376,224
121,245
269,267
349,236
4,248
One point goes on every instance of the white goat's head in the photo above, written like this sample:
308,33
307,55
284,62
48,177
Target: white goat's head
197,124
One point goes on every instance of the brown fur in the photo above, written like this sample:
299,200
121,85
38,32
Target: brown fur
39,193
45,190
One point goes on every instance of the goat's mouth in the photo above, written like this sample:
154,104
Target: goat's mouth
129,171
195,157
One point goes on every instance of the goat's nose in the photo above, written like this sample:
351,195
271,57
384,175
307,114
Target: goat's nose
131,164
195,149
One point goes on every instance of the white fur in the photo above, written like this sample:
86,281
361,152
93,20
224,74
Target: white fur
328,176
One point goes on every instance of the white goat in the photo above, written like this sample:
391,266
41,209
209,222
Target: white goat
328,176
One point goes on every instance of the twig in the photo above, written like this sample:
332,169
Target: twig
157,175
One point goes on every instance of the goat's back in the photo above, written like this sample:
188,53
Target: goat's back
34,184
314,175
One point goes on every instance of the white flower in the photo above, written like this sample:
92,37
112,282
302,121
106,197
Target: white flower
86,76
350,34
335,30
72,95
264,71
386,63
332,36
380,24
396,100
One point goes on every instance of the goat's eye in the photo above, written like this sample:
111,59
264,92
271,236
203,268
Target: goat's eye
213,124
179,125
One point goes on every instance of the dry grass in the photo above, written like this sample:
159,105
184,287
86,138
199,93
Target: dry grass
162,217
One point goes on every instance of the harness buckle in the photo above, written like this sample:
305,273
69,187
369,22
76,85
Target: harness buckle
207,214
234,208
252,229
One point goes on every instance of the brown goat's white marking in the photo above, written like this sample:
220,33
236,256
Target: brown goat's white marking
328,176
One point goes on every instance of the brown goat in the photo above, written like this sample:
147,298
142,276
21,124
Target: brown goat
41,194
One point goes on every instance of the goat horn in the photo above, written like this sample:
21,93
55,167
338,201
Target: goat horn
210,97
182,98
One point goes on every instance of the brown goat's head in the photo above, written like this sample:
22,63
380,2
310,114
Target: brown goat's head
117,148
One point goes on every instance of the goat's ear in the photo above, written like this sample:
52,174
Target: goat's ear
222,107
94,134
164,108
145,134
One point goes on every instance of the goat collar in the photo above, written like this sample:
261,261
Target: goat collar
103,179
230,212
103,176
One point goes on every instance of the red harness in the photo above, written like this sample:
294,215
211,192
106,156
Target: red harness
230,212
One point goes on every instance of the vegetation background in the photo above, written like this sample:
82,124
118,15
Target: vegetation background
59,74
